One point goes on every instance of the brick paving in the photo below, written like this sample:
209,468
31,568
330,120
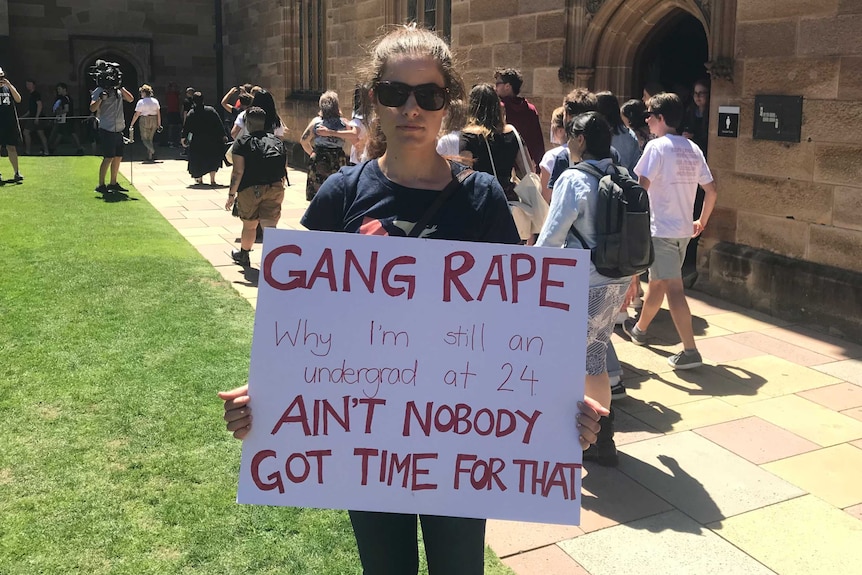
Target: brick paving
751,464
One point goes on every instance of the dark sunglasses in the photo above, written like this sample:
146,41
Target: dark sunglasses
648,114
429,97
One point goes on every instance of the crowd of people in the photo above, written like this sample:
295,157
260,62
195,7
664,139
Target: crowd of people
418,128
413,130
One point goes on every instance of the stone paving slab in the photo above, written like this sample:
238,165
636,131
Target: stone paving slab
807,419
514,537
848,370
611,497
701,479
798,537
817,342
756,440
748,321
833,474
837,397
549,560
691,415
660,545
773,377
778,348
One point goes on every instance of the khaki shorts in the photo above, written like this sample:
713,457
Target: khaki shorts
260,202
669,255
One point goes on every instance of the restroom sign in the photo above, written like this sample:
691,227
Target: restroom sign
728,121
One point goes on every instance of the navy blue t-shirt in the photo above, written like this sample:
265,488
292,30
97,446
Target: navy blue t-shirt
360,199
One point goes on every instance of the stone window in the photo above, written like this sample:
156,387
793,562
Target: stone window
310,48
432,14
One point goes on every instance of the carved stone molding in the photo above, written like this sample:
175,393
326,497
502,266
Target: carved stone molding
138,51
705,8
720,69
593,7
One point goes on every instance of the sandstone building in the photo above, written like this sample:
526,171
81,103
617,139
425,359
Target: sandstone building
786,236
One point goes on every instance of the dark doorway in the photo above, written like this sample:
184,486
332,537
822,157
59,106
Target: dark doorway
673,54
130,82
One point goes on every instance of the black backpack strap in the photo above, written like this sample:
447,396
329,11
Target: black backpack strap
590,169
441,198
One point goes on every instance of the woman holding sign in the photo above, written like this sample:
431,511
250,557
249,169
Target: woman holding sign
411,80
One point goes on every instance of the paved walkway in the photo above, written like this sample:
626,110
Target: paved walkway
751,464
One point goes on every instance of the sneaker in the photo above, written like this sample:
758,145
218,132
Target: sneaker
18,177
116,188
618,390
240,257
621,317
638,337
685,360
102,189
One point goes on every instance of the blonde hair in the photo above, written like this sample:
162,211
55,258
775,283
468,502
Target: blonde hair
328,105
146,89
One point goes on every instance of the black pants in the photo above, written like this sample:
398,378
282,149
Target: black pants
388,543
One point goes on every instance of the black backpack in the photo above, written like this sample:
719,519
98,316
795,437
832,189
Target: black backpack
623,239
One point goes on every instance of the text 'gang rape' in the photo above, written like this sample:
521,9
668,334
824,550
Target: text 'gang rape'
501,276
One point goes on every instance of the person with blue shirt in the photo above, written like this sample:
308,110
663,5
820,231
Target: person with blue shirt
573,204
410,81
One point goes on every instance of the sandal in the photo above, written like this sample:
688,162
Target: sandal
199,180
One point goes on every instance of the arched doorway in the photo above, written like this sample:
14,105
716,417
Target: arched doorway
606,39
130,80
673,54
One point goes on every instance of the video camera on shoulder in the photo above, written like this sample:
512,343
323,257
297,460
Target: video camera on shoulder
107,75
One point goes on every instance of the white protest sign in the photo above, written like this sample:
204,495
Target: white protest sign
417,376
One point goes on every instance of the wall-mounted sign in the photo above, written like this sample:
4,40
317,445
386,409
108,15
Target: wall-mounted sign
728,121
778,118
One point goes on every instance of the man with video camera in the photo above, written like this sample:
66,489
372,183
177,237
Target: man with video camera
107,101
10,131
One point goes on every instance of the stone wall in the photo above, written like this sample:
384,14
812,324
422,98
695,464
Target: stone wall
800,200
524,34
181,36
255,44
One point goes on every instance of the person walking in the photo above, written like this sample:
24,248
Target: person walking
411,79
670,169
520,112
574,207
148,115
256,181
204,137
35,119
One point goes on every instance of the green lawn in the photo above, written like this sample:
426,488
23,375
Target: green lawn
114,337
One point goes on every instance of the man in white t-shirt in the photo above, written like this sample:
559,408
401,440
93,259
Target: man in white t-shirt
670,169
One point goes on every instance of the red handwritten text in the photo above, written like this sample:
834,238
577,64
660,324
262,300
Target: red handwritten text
461,420
325,412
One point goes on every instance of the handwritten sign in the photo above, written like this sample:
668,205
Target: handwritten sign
417,376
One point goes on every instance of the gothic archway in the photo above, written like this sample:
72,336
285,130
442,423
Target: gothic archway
603,37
